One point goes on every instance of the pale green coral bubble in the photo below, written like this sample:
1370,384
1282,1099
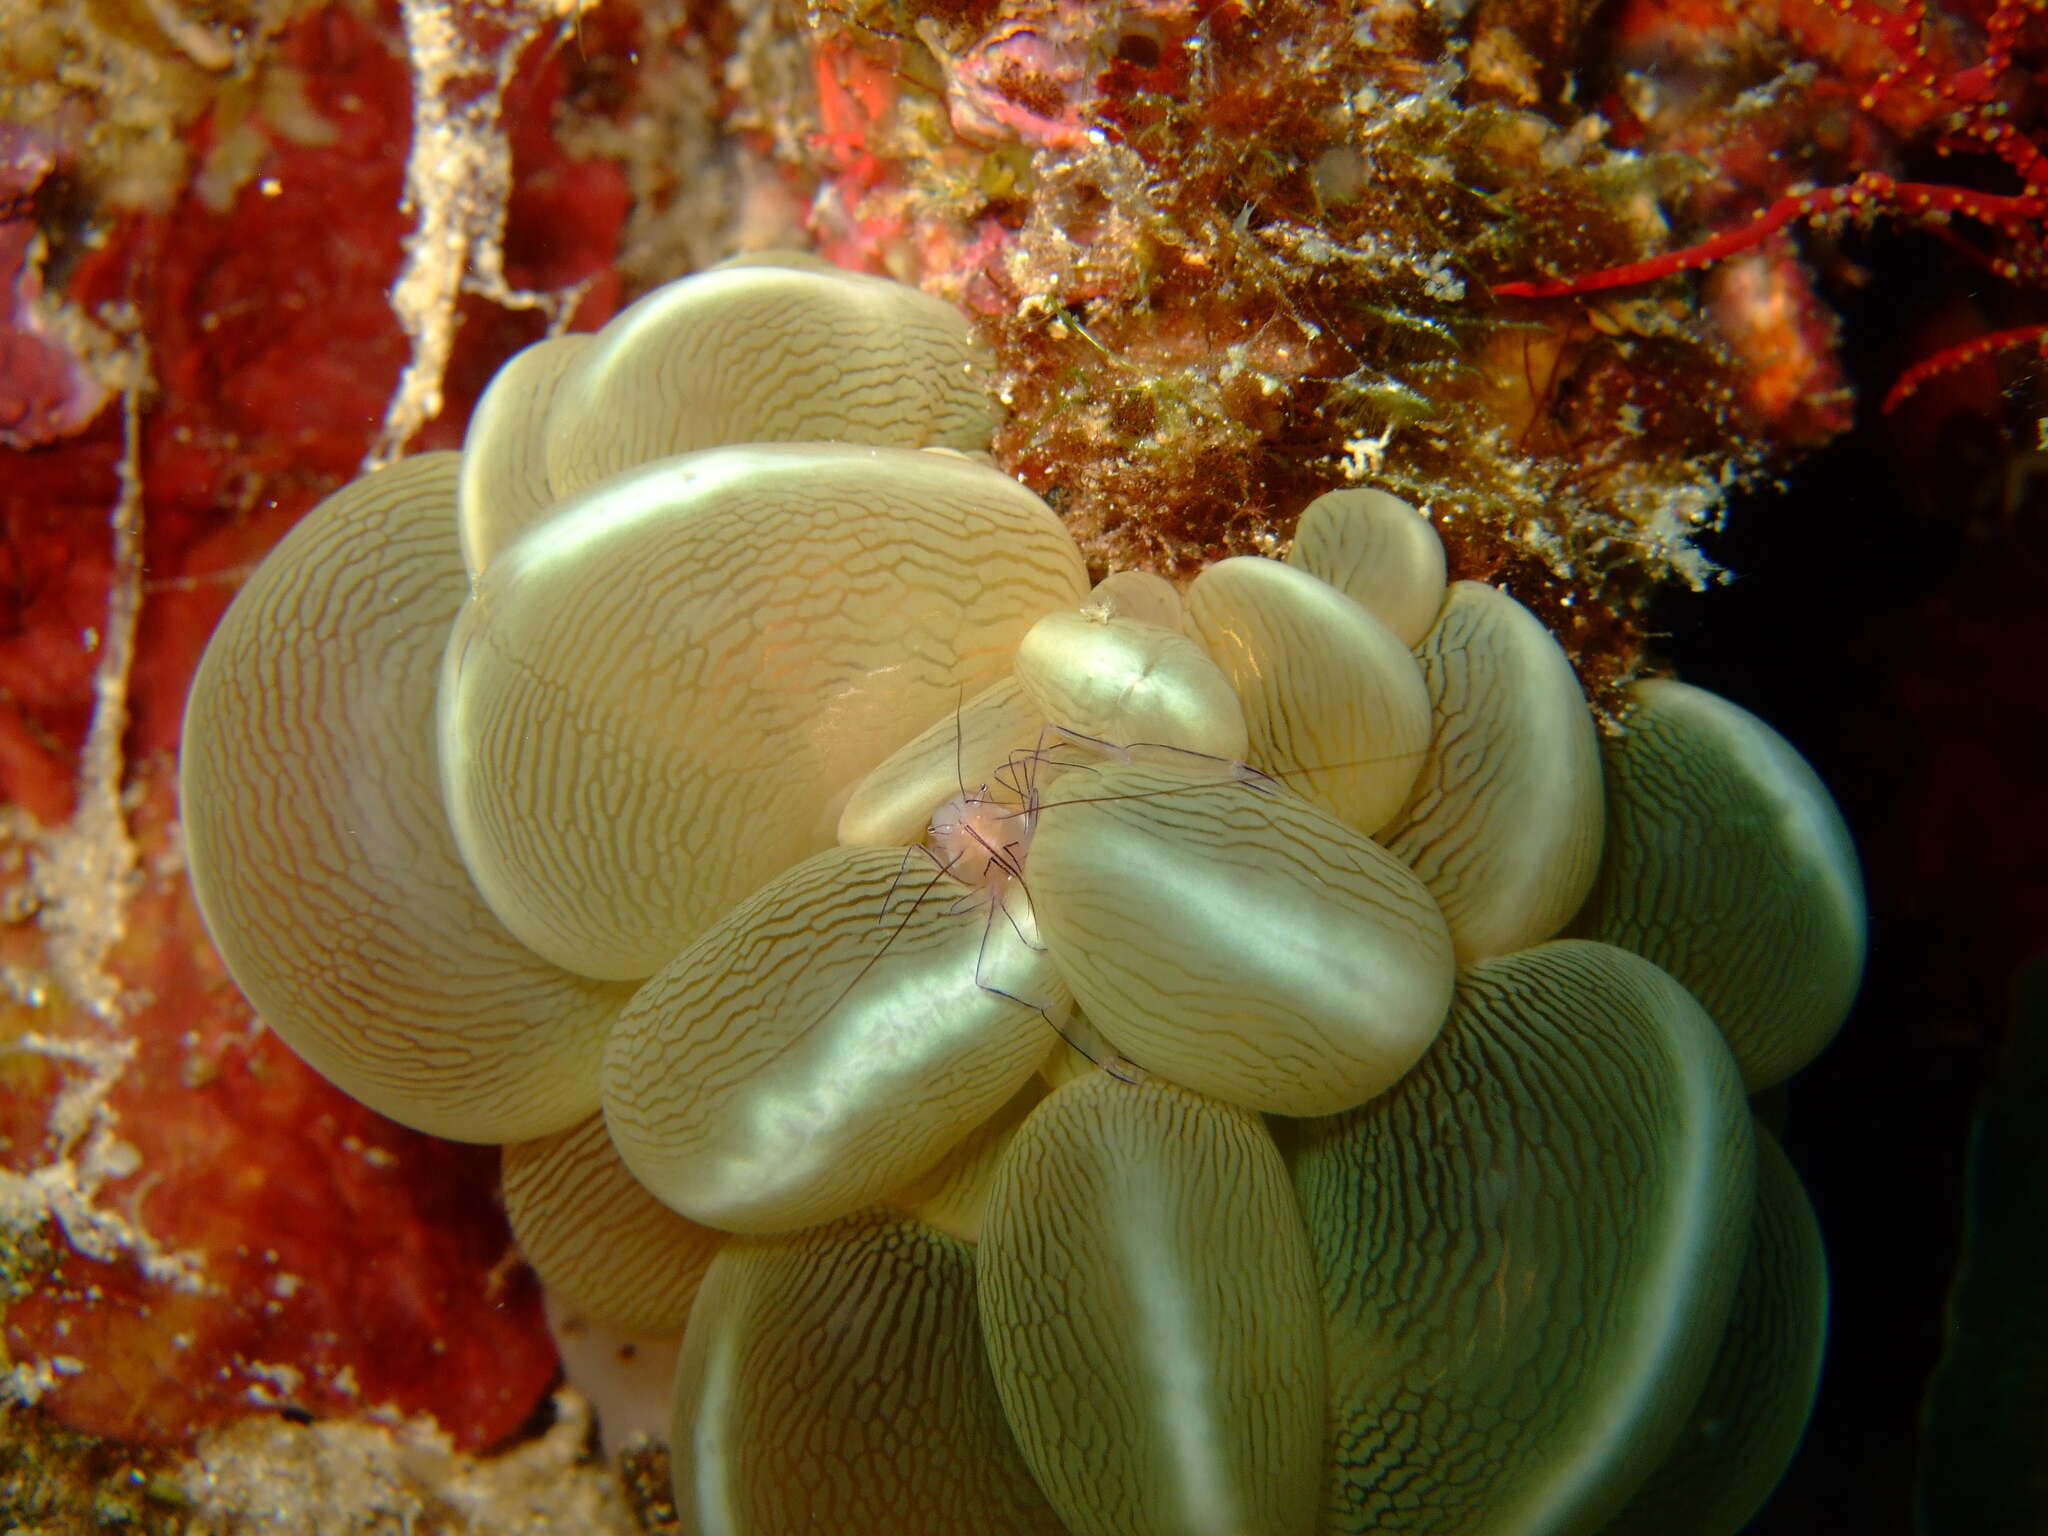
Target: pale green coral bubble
767,353
503,489
1377,550
1149,1308
1127,681
320,854
661,697
1237,940
1504,823
825,1044
1746,1426
1728,864
1142,596
833,1380
1334,704
953,1194
598,1240
1528,1248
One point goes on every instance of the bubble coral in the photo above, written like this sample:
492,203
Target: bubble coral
569,792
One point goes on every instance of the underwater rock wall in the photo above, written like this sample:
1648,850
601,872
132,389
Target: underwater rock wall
1182,322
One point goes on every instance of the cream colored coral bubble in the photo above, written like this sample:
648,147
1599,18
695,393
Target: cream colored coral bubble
661,697
1142,596
958,754
320,854
598,1240
1334,704
1126,681
1504,824
825,1044
952,1195
1377,550
767,353
1237,940
503,489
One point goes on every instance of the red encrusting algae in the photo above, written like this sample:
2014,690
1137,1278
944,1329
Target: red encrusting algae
269,1243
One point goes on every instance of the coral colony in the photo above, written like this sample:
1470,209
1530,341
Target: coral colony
1067,871
1107,1061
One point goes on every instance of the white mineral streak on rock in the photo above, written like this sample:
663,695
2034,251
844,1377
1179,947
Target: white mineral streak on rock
458,175
77,883
86,1154
31,1381
82,875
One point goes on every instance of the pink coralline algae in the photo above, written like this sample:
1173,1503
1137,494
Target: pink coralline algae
1036,76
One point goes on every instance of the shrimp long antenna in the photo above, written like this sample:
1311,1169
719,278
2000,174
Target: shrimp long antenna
1117,1066
873,960
959,730
1155,794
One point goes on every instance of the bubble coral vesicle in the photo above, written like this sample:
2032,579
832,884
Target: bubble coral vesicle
1334,703
763,353
320,853
598,1240
1742,1432
503,488
708,791
834,1379
1140,595
1504,823
1124,680
1527,1248
728,639
1238,941
953,1196
1149,1306
842,1035
1728,864
1378,551
959,752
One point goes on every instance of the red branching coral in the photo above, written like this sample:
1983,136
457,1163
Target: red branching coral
1908,80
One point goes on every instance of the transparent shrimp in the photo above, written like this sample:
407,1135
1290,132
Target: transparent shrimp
980,838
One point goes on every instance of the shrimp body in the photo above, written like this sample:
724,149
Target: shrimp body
980,840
